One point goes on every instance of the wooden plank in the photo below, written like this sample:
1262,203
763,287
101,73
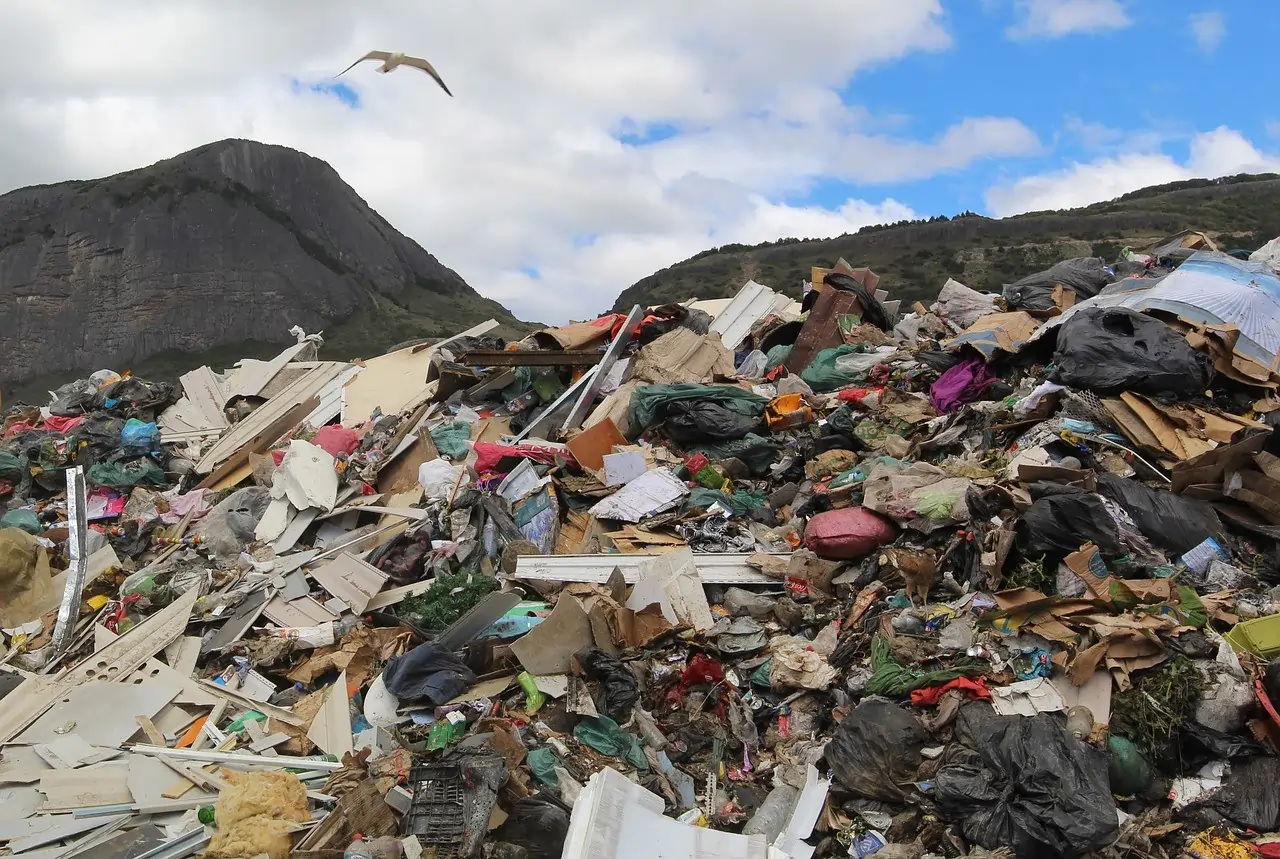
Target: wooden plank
258,443
395,595
305,389
153,734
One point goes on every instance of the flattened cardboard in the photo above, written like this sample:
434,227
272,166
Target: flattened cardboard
549,647
594,443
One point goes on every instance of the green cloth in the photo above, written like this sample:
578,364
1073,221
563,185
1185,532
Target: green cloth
126,475
649,403
603,734
741,502
451,439
756,452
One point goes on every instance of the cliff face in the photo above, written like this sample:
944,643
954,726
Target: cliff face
235,241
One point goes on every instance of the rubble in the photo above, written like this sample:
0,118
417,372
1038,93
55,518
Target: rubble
740,578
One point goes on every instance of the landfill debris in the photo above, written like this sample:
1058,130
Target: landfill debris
1004,569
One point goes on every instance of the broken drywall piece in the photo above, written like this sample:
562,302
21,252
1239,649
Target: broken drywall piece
306,477
28,834
331,728
678,575
66,752
623,467
351,580
101,784
520,481
279,514
652,492
102,713
549,647
1026,698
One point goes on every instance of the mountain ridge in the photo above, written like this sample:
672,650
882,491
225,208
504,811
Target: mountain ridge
914,258
226,245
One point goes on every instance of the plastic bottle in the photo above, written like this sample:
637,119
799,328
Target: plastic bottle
1080,722
357,849
772,815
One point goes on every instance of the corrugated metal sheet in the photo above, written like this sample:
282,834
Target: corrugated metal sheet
753,302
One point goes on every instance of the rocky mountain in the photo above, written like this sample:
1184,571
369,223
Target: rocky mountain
228,245
915,258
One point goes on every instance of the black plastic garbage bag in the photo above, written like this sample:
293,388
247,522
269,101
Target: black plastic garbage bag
1024,782
1061,519
872,310
1170,521
876,750
1251,796
1197,745
97,439
74,399
1114,349
619,689
693,422
136,398
427,673
537,823
1085,276
669,317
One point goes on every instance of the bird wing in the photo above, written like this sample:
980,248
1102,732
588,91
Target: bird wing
372,55
420,63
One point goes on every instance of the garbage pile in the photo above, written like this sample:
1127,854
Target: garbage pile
743,578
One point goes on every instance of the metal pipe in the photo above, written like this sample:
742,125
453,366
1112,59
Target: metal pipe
78,528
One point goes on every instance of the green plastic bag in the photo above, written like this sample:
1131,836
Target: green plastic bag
603,734
542,763
24,519
777,356
451,439
649,403
822,374
126,475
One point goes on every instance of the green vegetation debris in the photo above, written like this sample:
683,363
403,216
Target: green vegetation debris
448,599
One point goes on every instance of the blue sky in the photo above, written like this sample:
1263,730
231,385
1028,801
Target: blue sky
1084,93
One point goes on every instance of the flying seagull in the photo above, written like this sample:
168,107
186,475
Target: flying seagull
392,61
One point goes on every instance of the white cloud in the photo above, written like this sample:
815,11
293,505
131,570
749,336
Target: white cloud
1221,152
524,162
1208,29
1056,18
